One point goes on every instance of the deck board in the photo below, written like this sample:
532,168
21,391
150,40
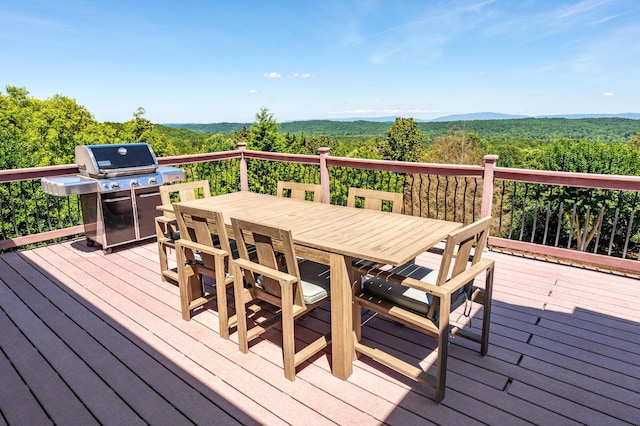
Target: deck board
88,338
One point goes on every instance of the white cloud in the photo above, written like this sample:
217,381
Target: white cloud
253,91
607,94
294,75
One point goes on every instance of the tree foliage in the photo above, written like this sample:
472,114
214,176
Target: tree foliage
402,142
457,147
264,134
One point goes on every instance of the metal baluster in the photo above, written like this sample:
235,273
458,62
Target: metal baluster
546,223
437,197
25,207
595,249
47,204
37,206
513,198
573,218
475,197
69,216
13,211
446,196
586,226
464,199
2,221
455,198
630,227
535,214
428,199
560,219
613,228
524,205
501,209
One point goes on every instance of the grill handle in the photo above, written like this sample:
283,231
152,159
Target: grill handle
116,199
149,194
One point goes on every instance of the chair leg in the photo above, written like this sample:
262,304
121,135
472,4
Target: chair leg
443,349
241,313
486,314
221,295
184,285
441,366
288,338
164,263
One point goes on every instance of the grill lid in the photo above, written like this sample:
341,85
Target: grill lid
115,160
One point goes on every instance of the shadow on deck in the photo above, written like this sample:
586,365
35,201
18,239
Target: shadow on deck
92,338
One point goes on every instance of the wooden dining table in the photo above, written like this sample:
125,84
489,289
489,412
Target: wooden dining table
335,235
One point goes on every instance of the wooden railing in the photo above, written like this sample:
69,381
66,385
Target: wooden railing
576,217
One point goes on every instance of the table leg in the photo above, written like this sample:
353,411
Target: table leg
342,348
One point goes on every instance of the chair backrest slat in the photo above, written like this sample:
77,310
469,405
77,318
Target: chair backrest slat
201,226
269,243
299,191
459,246
373,199
186,191
460,251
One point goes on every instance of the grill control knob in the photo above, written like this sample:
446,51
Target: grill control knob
115,184
152,180
134,182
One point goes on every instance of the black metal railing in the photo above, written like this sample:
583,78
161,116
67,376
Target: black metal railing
534,211
599,221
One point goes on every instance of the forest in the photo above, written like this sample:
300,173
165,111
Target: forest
42,132
527,129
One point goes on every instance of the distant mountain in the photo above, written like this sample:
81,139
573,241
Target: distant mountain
629,115
478,116
489,116
230,127
498,116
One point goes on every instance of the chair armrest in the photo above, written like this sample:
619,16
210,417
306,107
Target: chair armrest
265,271
459,281
449,288
202,248
166,220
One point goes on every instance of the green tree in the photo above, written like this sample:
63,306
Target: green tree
585,211
140,129
313,144
403,141
457,147
37,132
242,136
634,141
265,133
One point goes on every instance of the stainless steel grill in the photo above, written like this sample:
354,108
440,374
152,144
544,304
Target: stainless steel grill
118,188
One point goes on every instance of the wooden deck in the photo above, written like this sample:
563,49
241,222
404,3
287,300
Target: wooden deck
91,338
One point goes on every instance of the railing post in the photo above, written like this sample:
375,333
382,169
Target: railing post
244,180
324,175
487,185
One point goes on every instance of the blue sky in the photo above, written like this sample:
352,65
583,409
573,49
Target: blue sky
214,61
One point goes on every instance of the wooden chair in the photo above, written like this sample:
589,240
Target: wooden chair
299,190
203,250
294,286
423,299
373,199
166,226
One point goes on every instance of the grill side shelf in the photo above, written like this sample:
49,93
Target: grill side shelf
68,185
